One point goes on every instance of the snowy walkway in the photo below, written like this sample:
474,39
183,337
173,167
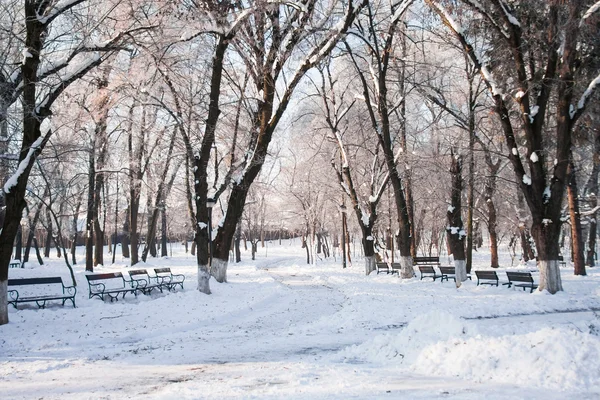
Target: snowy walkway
281,329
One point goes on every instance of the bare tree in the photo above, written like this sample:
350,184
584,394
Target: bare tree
524,70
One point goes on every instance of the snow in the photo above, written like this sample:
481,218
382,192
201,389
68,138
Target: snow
283,329
547,194
515,151
526,179
511,18
12,180
26,54
546,221
595,7
534,158
588,92
490,79
533,112
450,209
519,94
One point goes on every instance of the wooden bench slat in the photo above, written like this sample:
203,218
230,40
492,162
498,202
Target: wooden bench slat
487,278
521,277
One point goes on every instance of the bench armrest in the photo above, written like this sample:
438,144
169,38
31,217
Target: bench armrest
97,287
13,295
138,283
70,290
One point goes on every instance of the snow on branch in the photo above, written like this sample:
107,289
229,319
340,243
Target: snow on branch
59,8
584,97
477,6
24,164
401,10
589,12
511,18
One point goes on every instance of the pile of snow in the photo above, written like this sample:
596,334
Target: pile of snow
559,359
440,344
405,347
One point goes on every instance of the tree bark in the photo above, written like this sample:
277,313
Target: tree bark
591,195
455,231
577,243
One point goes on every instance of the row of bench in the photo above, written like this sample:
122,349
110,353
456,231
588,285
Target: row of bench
517,279
427,267
104,285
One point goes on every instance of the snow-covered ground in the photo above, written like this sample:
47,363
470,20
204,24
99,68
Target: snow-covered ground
283,329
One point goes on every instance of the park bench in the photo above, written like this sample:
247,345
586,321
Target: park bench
382,267
426,261
170,280
487,278
145,282
561,261
428,272
15,264
524,277
111,284
450,272
47,286
396,267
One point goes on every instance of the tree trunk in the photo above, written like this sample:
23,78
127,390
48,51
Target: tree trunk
31,234
455,231
163,239
254,244
577,243
126,235
90,216
238,235
75,228
49,233
591,195
19,243
37,251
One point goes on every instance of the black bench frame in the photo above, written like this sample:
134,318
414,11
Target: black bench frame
450,272
382,267
170,280
147,283
68,292
427,271
521,277
100,290
487,278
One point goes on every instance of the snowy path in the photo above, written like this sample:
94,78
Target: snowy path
274,331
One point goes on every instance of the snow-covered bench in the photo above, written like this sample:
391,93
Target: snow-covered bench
111,284
15,264
170,279
41,291
524,277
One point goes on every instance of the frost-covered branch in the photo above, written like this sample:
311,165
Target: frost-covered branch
576,112
594,8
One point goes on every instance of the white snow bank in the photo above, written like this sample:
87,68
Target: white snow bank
406,346
559,359
438,343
